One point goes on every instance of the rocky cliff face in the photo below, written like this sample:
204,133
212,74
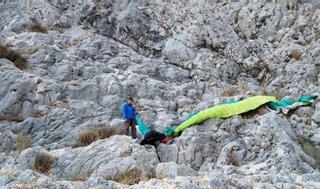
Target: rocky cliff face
67,66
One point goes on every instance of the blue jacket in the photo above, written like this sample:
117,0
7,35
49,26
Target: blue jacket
128,111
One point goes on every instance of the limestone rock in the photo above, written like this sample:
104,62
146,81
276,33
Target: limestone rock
106,158
66,67
176,52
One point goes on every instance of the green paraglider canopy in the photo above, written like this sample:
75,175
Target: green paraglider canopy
221,111
235,107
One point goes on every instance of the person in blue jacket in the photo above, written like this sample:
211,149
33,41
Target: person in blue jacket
129,114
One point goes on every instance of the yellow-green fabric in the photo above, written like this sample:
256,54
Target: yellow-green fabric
225,110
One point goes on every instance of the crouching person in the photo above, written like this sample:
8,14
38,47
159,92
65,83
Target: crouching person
150,136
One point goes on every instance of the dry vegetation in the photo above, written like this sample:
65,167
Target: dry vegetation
233,158
92,135
58,29
79,177
229,91
22,186
36,114
66,104
15,118
37,27
43,163
23,142
17,59
132,176
296,54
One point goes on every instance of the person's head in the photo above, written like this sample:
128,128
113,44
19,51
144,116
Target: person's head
130,100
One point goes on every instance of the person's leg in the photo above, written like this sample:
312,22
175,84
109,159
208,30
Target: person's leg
126,127
133,129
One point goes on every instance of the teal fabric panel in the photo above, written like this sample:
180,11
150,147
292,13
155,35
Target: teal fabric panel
143,128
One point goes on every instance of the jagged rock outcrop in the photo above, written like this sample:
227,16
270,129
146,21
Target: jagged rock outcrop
84,58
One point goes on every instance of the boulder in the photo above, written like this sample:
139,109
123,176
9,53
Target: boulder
106,158
177,53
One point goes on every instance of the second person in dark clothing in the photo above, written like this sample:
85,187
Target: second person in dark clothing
129,114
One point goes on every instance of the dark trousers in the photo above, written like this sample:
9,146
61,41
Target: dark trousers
130,123
152,137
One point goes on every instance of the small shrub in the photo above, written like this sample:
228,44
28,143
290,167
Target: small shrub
43,162
37,27
296,54
23,186
106,133
233,158
58,29
66,105
132,176
15,118
79,177
92,135
150,174
36,114
86,138
229,91
17,59
23,142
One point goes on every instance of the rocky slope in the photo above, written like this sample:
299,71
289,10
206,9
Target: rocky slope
73,63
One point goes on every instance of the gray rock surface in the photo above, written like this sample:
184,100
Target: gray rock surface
84,58
105,158
172,170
